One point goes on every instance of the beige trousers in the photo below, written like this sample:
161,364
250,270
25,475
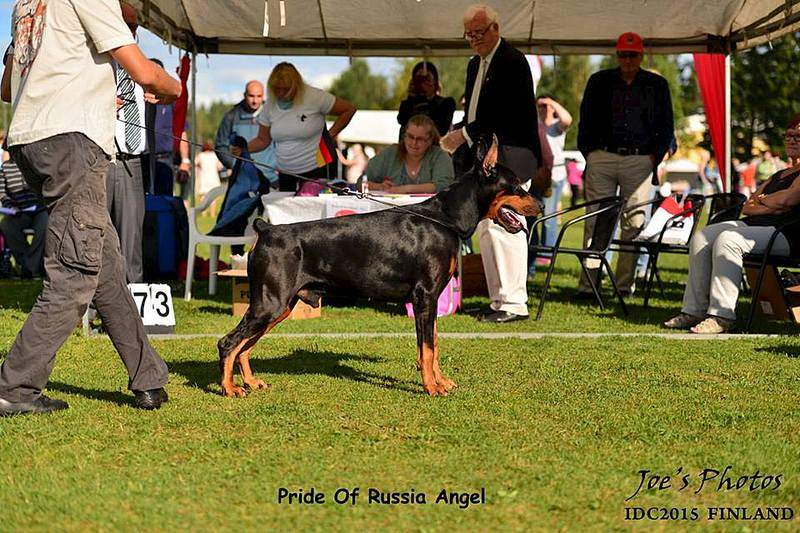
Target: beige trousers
505,263
631,173
715,265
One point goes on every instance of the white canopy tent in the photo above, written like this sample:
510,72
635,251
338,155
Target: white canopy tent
434,27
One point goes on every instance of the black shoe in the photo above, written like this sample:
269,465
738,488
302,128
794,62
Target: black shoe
501,317
149,399
40,405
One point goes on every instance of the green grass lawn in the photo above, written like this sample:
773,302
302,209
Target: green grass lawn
554,429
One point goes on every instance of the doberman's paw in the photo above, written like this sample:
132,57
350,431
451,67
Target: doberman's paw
435,390
448,384
256,384
230,390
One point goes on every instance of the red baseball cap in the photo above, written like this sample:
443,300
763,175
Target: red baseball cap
630,42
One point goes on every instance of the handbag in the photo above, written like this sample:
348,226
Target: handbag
679,230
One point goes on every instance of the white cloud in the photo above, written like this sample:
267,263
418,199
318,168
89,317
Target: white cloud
323,80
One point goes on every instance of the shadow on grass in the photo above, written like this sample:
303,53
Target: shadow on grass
204,374
19,294
791,351
93,394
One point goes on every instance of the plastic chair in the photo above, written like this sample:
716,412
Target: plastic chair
196,237
611,208
767,260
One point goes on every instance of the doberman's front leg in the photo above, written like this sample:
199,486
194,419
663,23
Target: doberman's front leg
437,372
425,321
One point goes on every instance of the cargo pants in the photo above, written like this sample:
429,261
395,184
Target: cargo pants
82,263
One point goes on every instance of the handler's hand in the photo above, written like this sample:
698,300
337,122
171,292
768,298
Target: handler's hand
450,142
163,99
120,101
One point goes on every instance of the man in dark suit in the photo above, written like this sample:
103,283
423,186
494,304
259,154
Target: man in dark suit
500,101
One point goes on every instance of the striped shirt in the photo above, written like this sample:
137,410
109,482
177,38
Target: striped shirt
15,192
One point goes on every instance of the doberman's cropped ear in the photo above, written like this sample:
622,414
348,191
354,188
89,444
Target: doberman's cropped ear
487,155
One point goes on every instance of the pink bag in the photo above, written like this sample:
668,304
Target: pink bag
449,300
310,188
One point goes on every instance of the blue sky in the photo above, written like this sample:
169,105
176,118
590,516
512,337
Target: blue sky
222,77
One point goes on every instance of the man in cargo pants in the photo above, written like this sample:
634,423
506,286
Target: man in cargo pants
63,147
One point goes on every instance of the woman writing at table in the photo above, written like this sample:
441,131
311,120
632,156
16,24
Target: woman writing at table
416,165
294,119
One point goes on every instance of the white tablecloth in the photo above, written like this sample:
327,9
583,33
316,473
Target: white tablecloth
285,208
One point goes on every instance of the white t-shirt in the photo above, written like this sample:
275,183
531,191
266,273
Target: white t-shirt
62,77
556,138
296,131
208,167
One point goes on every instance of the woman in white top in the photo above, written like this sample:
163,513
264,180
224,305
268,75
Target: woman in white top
293,119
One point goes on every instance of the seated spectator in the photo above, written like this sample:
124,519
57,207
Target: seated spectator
23,210
715,261
424,98
416,165
207,168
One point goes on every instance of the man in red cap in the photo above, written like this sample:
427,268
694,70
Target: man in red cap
625,129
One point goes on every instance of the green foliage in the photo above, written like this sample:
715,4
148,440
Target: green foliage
764,93
358,85
566,80
209,118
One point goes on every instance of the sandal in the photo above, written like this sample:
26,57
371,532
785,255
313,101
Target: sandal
682,321
713,325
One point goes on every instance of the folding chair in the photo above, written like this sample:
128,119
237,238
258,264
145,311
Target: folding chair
611,209
767,260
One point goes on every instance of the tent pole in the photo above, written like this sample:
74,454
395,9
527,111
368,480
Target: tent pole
192,147
726,160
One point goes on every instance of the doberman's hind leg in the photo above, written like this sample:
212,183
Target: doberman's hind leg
235,347
243,359
442,381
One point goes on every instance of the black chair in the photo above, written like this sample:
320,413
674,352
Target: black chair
611,209
724,206
767,260
655,247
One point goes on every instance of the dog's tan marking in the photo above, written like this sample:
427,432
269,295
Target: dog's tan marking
442,381
229,388
250,381
524,205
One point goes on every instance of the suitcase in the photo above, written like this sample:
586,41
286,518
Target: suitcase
165,238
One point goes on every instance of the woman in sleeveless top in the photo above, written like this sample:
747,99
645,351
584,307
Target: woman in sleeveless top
716,252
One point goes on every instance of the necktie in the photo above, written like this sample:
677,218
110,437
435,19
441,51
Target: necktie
476,92
130,111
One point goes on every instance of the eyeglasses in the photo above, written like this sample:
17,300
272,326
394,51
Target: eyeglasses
477,35
627,55
414,139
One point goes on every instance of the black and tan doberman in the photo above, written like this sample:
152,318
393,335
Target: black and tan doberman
402,254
